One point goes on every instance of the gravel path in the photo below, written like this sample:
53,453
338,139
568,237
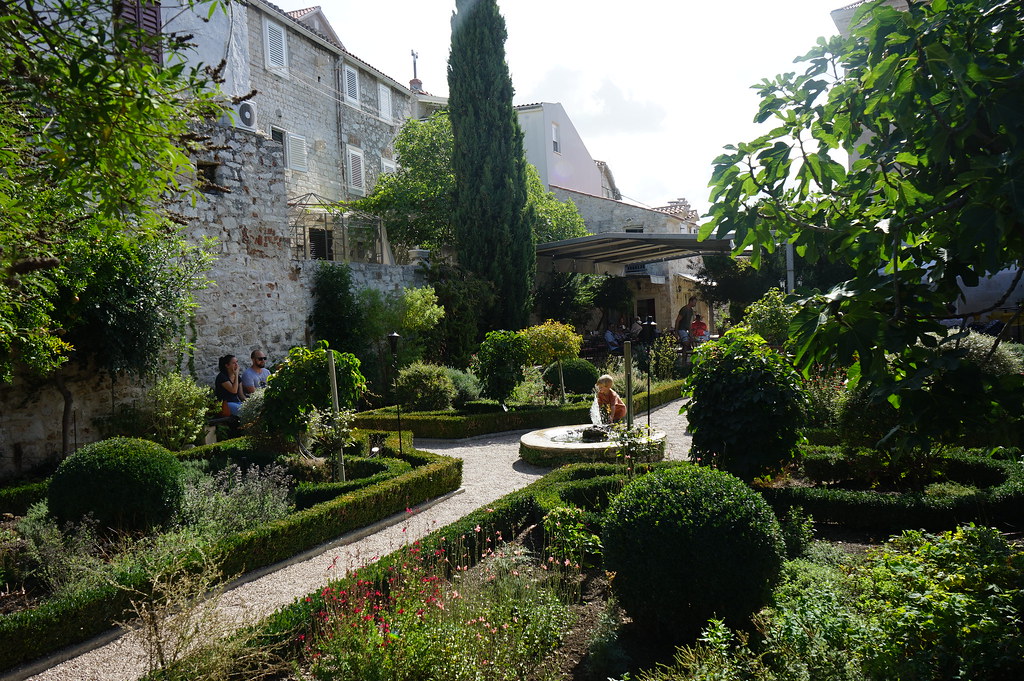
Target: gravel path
491,469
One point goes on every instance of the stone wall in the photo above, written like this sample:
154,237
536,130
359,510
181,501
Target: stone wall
260,298
607,215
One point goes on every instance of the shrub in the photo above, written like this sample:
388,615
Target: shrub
126,484
233,500
863,421
179,407
769,317
172,414
747,406
303,382
579,374
689,543
425,387
663,357
467,387
945,606
501,359
826,395
978,350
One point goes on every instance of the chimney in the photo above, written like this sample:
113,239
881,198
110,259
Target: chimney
416,85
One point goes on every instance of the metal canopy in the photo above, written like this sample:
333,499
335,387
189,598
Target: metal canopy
629,248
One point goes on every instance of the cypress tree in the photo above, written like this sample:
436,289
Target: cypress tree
492,224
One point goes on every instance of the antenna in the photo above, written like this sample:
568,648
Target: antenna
415,55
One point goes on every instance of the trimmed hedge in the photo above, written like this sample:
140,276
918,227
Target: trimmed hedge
508,516
125,484
17,499
1001,499
470,422
360,472
59,622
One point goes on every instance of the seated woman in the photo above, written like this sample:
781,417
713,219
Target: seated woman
228,384
611,405
698,330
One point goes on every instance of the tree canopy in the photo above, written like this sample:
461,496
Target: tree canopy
416,201
97,134
927,102
492,221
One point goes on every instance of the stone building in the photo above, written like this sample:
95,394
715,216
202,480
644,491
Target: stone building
319,129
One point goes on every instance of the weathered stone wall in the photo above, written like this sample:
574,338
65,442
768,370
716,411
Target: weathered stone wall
260,298
305,100
31,413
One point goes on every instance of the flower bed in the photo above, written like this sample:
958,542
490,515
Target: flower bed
63,621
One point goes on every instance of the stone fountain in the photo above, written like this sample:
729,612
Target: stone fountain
585,442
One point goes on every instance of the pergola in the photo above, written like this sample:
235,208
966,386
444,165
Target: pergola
628,248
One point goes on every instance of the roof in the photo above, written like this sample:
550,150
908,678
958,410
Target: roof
296,18
629,248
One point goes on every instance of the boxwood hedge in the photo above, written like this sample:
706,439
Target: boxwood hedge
64,621
475,421
999,499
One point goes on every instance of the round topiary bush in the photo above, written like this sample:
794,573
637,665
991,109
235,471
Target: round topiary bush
748,405
425,387
580,375
125,483
690,543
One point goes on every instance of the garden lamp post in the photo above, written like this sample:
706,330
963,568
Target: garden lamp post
650,328
393,340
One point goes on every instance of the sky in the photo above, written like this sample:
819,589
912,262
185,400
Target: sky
655,88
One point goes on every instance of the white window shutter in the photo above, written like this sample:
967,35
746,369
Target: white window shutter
384,95
351,84
297,153
387,166
275,46
355,169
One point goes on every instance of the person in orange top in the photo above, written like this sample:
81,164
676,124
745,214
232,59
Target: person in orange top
612,406
698,330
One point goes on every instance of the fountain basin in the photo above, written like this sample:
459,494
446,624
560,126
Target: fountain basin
549,447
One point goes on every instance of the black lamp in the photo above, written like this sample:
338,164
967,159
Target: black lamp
650,328
393,341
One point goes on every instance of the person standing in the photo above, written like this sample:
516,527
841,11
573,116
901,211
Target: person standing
228,384
685,319
255,376
611,405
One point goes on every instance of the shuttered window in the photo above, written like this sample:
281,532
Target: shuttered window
356,181
384,95
351,84
144,14
275,46
297,152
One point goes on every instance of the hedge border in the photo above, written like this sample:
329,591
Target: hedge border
448,425
309,494
59,622
1000,503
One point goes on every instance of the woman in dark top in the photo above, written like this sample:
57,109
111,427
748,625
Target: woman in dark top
228,384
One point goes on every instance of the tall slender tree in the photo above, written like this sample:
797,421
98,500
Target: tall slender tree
492,223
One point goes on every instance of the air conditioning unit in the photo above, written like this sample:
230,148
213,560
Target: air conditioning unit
245,115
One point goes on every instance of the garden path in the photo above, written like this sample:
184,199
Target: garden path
491,469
